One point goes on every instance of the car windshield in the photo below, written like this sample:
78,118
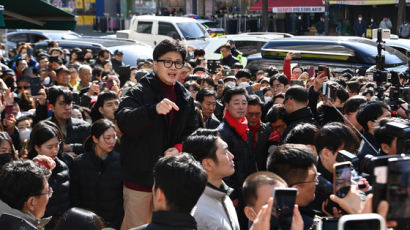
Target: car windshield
191,30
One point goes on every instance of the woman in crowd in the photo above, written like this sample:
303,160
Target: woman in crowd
46,139
7,152
96,181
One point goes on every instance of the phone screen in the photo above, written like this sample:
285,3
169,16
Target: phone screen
342,179
398,188
282,210
324,88
365,224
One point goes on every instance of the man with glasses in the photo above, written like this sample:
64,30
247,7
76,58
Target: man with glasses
155,117
75,130
296,164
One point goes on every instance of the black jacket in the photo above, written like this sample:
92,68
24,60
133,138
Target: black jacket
244,158
59,181
77,132
366,149
116,65
325,114
212,122
262,146
145,133
303,115
229,61
168,220
96,185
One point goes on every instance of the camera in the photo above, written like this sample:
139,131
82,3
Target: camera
402,132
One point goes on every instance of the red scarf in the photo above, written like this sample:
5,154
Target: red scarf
254,131
240,127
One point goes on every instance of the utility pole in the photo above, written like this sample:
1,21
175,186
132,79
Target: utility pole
401,16
265,21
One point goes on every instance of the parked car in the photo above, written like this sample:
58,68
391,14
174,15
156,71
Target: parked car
212,27
132,50
33,36
152,30
248,44
337,53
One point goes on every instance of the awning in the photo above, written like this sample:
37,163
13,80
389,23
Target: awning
291,6
365,2
35,14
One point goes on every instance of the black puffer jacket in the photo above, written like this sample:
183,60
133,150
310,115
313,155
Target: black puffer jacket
60,201
300,116
77,132
96,185
145,133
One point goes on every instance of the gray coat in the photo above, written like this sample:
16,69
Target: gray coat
38,223
215,210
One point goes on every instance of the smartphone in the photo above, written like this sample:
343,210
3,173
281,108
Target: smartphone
324,89
398,189
379,180
342,175
369,221
321,69
109,83
311,71
8,111
282,209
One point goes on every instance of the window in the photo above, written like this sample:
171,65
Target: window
144,27
37,38
192,30
168,29
16,38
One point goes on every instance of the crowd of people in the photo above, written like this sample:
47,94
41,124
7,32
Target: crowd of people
178,143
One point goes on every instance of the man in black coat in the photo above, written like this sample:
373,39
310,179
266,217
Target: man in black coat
179,182
155,117
116,60
227,58
235,132
296,105
75,130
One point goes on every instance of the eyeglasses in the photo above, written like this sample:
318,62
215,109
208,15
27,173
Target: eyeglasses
169,63
316,181
49,193
23,87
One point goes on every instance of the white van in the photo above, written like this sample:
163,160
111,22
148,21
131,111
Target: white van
153,29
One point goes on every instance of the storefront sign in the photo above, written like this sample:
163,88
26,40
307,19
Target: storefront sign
305,9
